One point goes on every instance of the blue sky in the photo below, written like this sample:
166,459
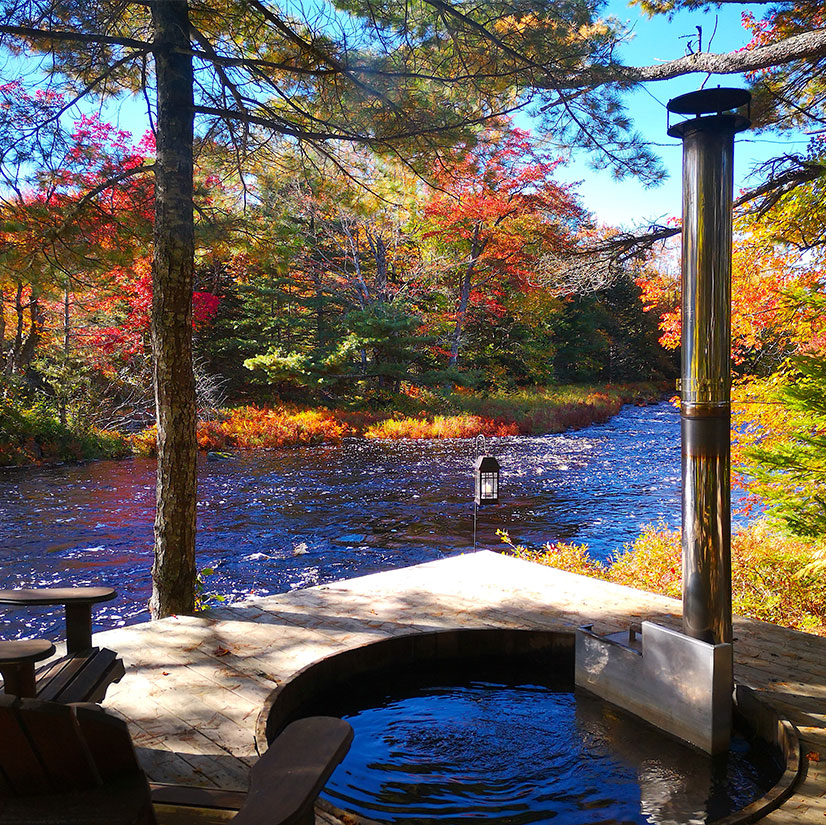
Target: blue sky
657,40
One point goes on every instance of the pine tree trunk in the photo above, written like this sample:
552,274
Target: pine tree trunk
29,348
173,573
63,391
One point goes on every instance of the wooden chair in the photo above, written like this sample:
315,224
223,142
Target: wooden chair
84,673
76,765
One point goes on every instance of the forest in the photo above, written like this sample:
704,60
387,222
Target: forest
335,221
315,289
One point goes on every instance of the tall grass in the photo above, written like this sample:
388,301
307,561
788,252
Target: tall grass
531,411
440,426
458,415
772,575
558,408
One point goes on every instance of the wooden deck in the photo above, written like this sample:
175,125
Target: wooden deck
194,685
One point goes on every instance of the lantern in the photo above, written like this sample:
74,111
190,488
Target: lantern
486,475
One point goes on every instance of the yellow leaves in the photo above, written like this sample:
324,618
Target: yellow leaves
766,584
441,426
521,25
512,24
652,7
591,31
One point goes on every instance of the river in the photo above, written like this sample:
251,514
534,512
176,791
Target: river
273,521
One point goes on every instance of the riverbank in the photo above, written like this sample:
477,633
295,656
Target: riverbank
458,415
775,578
35,438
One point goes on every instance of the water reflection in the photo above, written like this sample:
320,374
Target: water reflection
530,753
274,521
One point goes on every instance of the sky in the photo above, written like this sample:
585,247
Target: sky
627,203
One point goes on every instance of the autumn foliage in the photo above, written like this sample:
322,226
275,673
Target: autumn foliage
763,322
440,426
772,577
496,211
553,409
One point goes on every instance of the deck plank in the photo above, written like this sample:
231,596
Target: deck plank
194,685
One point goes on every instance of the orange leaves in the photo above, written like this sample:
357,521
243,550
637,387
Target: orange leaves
762,317
501,200
252,427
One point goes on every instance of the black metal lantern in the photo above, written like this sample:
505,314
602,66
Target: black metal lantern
486,475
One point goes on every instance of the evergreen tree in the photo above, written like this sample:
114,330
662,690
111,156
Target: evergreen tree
787,464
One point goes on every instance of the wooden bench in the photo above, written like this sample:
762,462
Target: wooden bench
76,765
84,673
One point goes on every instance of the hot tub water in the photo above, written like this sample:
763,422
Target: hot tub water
531,753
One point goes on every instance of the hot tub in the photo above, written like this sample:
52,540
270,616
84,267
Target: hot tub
485,725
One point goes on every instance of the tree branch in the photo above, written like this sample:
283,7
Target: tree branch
807,46
102,187
76,37
776,187
284,127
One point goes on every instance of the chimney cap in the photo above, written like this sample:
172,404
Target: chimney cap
709,101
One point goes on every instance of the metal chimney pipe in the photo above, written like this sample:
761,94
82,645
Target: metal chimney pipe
708,180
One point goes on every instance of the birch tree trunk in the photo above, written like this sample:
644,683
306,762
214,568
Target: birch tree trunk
174,572
2,324
476,250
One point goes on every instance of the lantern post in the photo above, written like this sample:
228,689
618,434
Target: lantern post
486,481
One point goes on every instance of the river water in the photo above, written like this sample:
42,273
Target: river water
273,521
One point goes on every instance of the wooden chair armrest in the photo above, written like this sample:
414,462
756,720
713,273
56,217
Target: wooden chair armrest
57,595
285,782
78,602
25,650
94,707
17,664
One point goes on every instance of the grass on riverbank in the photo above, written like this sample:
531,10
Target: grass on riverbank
557,409
772,575
440,426
31,437
459,415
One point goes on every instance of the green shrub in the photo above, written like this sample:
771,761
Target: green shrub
35,437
